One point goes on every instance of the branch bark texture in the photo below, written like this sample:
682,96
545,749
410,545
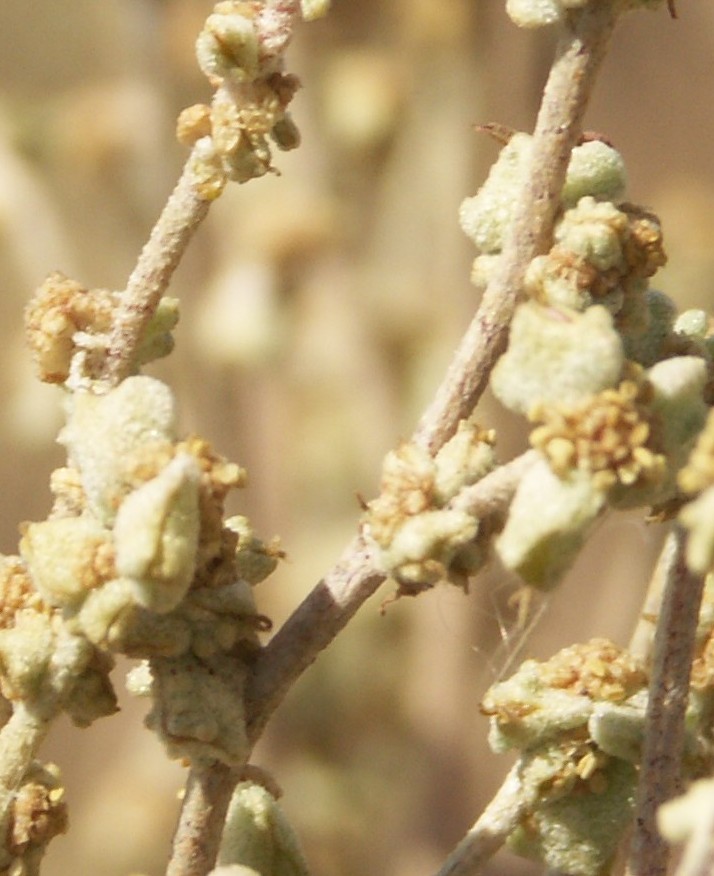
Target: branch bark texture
663,746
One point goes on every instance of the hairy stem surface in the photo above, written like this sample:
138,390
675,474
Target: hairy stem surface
183,213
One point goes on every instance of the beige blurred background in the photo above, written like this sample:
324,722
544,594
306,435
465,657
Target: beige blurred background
318,312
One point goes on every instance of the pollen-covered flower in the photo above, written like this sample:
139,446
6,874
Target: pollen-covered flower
235,51
602,254
608,435
64,320
582,793
423,541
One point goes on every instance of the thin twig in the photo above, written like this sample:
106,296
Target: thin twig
328,608
492,495
663,744
183,213
485,838
565,98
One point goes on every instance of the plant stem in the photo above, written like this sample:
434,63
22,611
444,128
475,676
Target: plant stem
663,744
203,812
183,213
571,79
333,602
336,598
20,738
489,833
642,640
310,629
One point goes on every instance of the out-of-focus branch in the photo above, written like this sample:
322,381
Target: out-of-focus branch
558,126
642,640
489,833
663,745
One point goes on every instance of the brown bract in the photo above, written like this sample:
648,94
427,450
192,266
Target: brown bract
60,308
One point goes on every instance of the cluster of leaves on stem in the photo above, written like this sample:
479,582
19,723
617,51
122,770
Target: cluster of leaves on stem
136,557
618,388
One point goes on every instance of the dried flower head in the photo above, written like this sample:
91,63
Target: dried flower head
239,50
38,814
67,328
17,590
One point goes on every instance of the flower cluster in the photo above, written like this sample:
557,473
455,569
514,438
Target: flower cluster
240,52
136,559
421,539
606,434
68,328
577,720
617,385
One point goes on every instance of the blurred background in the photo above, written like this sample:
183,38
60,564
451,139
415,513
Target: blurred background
319,309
